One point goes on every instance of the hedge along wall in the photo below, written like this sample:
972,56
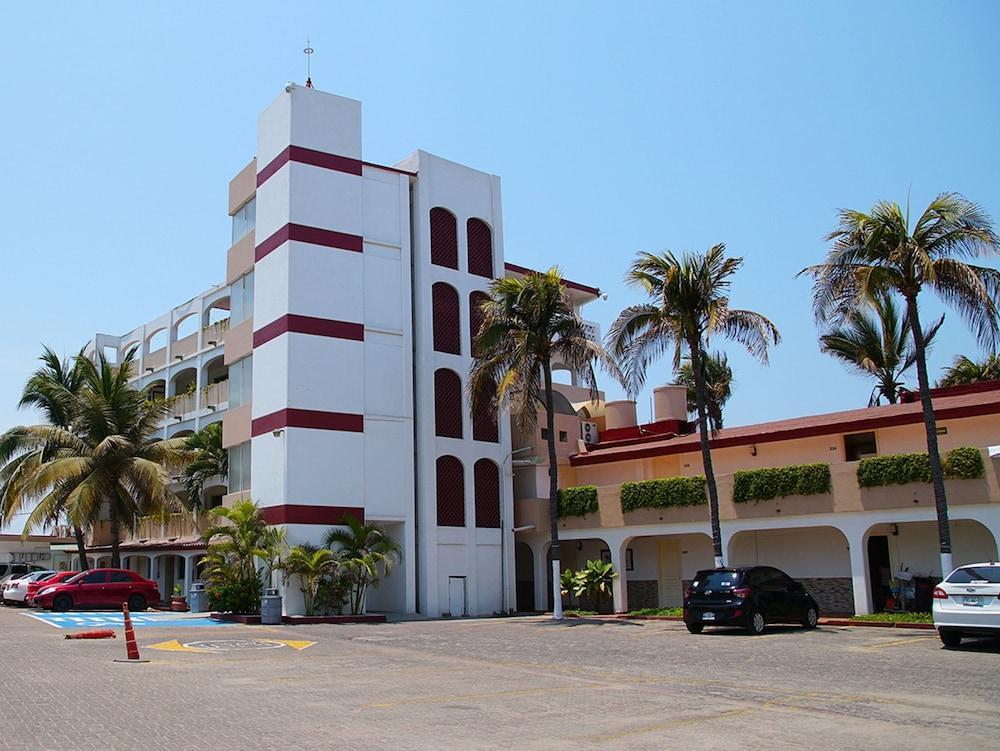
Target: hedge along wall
577,501
965,463
775,482
666,493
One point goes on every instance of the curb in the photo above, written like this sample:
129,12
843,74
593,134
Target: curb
822,622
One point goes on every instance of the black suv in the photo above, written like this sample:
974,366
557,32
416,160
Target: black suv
750,596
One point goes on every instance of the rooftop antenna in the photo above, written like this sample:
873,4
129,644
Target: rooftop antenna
308,51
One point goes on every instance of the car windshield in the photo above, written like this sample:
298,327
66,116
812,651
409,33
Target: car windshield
969,574
716,580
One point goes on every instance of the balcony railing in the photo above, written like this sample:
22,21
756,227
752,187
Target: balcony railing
215,333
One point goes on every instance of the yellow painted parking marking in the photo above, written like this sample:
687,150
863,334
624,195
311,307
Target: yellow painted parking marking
296,645
175,646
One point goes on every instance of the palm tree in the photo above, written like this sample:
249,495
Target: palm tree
879,252
527,324
690,304
270,550
238,535
718,386
209,460
965,371
878,345
53,390
366,552
108,461
309,564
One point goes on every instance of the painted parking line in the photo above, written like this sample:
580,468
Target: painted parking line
117,620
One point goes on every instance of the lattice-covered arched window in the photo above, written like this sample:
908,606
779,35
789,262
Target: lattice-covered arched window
484,417
487,483
444,238
447,403
447,330
450,492
476,299
480,240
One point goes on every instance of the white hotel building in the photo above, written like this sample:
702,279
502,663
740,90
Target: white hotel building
339,372
339,379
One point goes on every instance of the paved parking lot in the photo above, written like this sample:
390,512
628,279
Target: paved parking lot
513,683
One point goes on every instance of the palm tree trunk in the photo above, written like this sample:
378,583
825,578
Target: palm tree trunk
81,547
550,424
930,426
701,399
116,558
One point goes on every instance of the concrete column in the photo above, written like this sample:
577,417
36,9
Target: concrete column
619,587
539,553
188,572
859,570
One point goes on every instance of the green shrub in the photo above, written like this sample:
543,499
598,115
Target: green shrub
577,501
235,595
965,463
774,482
658,611
666,493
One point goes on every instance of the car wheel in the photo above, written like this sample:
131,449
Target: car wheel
694,628
950,638
62,603
811,619
136,603
756,623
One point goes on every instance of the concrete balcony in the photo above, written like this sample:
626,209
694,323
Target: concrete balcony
215,335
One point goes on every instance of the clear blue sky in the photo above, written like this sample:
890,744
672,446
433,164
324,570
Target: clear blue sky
614,127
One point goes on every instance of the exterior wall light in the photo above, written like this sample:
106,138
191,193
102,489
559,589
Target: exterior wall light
277,433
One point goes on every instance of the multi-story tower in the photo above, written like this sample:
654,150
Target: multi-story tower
353,292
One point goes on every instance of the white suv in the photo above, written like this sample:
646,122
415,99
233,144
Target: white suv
967,603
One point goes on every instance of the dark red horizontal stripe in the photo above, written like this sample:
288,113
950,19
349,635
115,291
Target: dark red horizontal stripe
293,513
312,235
292,323
312,157
689,444
307,418
515,269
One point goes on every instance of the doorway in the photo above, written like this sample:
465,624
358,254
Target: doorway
879,570
456,597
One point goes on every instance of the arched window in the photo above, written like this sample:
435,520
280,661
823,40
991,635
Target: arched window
447,403
480,240
450,492
447,332
487,482
476,299
444,238
484,418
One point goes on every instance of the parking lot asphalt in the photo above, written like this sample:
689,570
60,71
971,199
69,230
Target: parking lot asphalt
495,683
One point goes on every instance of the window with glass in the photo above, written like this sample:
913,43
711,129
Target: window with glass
241,299
244,220
240,382
239,467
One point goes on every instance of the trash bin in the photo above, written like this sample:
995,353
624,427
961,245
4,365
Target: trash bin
270,608
198,598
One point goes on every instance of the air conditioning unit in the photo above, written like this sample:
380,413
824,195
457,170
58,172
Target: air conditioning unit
589,430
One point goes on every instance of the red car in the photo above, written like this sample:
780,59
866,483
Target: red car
33,587
99,588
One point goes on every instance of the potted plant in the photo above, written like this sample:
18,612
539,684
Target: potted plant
178,602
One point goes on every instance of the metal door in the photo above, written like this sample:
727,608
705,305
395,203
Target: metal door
456,596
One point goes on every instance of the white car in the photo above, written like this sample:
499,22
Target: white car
15,591
967,603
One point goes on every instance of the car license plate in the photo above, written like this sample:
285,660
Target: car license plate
708,616
973,601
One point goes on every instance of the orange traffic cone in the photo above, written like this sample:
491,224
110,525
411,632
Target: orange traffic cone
101,634
131,648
